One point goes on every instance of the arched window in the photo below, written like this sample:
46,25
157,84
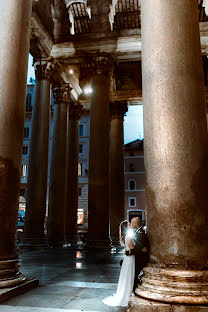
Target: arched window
29,103
132,184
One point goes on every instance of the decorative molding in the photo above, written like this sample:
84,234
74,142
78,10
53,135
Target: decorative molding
118,109
71,16
100,63
62,94
112,13
45,68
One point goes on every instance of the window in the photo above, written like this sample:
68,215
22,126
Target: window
132,185
81,148
132,201
131,167
29,103
22,192
80,191
24,171
25,150
81,130
79,170
26,133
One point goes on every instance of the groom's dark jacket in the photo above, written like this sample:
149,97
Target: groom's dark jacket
141,258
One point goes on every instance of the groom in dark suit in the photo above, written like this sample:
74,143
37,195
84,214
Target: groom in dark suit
140,250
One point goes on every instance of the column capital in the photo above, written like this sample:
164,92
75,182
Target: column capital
101,63
118,109
45,68
62,94
75,110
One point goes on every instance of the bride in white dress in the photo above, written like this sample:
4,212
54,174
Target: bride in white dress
126,279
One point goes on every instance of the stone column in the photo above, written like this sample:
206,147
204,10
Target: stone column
15,36
116,193
176,154
74,114
38,160
98,199
56,209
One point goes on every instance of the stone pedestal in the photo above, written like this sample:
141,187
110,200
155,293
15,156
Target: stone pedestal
74,114
98,200
15,35
176,154
56,209
38,161
142,305
116,195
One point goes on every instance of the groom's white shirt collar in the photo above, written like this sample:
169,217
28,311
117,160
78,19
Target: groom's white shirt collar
139,229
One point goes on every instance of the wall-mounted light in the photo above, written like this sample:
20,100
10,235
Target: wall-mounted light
88,90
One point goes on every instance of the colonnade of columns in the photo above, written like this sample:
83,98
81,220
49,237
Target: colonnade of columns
176,154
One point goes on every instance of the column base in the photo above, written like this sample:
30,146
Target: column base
34,243
174,286
13,291
10,274
142,305
56,242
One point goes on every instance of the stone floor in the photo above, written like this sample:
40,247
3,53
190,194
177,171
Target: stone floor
70,280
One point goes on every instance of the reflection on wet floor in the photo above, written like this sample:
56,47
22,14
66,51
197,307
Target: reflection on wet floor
70,280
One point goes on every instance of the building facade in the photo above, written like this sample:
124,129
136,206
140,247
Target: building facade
134,180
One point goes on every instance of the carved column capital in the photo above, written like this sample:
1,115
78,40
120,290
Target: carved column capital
45,69
118,109
101,63
75,110
62,94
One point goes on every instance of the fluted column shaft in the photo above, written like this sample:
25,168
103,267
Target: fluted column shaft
74,113
38,160
116,193
56,209
176,154
14,35
98,199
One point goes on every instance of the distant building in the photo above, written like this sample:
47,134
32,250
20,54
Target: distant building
134,180
83,166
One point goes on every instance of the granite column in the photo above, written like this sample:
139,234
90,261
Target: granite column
15,37
38,160
98,198
116,193
74,113
56,209
176,154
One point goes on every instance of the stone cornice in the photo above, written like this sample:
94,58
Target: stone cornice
124,48
43,37
127,46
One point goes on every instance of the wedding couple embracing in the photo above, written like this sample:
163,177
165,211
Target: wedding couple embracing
134,239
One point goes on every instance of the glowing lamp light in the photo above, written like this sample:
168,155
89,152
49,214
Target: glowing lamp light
130,233
71,71
87,90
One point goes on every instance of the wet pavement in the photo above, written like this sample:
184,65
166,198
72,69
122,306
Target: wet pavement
70,280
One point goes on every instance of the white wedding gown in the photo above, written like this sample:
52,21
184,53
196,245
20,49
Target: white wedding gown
125,284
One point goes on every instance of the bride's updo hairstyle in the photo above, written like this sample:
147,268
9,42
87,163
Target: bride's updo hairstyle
123,231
